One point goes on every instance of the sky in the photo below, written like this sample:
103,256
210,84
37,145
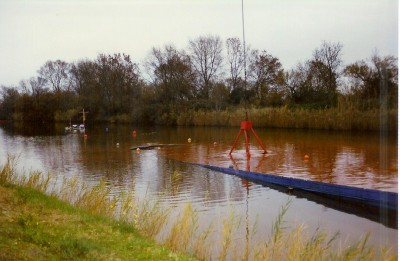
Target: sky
33,32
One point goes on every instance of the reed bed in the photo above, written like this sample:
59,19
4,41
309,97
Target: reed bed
150,218
299,118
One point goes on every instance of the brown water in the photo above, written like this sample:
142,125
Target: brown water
367,160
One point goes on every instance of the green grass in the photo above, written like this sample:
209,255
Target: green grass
78,222
35,226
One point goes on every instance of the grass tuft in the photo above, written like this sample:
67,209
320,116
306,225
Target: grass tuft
183,230
74,248
7,173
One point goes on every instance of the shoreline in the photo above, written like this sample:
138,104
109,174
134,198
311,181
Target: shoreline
281,117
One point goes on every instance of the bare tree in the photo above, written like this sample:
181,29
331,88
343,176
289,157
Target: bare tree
206,58
266,72
56,74
235,58
328,56
172,73
365,77
294,80
34,86
388,62
24,87
153,60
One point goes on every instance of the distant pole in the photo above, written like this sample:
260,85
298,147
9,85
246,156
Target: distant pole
244,48
83,116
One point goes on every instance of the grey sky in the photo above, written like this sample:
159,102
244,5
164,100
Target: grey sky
33,32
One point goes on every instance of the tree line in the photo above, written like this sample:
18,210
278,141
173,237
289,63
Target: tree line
210,75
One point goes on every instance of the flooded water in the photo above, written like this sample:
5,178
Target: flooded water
367,160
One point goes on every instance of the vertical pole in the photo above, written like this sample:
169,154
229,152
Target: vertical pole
244,48
83,116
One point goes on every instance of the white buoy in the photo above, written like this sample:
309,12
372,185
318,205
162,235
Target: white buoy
189,140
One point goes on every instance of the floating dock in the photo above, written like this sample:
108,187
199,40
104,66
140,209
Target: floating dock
364,197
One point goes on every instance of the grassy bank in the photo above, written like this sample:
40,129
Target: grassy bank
284,117
35,226
73,221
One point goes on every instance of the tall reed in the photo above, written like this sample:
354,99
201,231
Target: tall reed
284,117
7,173
183,230
230,225
150,217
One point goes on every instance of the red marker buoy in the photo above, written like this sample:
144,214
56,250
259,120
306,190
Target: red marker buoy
134,133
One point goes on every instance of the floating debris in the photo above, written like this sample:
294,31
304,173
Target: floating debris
154,146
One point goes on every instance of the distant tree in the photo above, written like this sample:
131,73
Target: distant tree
173,78
118,82
33,86
55,74
84,82
108,86
220,96
315,83
8,100
366,76
235,59
40,107
173,73
206,58
387,70
241,96
150,105
266,73
293,80
325,69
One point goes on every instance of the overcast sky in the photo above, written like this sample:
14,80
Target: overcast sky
33,32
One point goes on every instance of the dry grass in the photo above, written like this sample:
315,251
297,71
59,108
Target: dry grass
183,230
299,118
149,217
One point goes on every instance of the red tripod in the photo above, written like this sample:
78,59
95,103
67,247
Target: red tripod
245,126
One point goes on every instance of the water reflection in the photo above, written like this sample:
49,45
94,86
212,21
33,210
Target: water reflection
341,158
344,158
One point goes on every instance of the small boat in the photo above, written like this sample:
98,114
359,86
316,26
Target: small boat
75,128
81,128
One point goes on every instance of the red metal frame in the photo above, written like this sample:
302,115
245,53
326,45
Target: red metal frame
244,127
